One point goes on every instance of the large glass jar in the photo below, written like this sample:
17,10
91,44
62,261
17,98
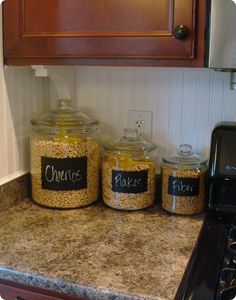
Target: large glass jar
128,172
183,182
65,158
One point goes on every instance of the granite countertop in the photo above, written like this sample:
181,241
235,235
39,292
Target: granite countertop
96,251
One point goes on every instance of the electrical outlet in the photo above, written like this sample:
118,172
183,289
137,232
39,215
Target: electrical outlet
142,121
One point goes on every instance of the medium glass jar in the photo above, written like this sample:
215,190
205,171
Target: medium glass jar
65,158
183,182
128,172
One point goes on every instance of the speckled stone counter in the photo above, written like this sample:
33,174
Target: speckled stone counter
96,251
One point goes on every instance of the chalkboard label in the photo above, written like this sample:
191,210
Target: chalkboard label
64,174
182,186
129,181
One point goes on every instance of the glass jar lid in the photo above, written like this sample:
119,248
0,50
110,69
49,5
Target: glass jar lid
131,142
184,156
64,116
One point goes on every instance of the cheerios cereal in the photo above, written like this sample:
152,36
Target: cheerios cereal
53,149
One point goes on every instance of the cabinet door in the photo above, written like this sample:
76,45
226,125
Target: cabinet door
15,291
104,31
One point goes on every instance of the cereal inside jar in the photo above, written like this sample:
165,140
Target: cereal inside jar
128,172
65,158
183,182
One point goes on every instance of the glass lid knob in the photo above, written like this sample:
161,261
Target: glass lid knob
64,104
185,149
130,133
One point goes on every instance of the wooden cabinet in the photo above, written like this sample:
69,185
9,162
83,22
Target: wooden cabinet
15,291
104,32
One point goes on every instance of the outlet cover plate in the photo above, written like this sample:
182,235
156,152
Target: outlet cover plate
145,117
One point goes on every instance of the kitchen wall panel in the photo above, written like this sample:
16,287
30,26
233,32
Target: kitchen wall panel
186,103
21,96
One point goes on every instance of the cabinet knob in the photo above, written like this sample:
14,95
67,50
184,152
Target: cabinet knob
181,32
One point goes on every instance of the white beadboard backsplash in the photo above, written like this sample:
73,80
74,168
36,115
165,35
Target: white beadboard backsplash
21,96
186,103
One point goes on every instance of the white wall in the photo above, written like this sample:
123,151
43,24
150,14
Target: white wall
186,103
21,95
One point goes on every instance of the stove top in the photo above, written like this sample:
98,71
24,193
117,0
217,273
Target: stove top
205,277
227,283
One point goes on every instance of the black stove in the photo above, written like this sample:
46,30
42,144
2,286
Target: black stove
211,271
227,284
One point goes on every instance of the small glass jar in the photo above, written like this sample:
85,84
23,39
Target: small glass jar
65,158
183,182
128,172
